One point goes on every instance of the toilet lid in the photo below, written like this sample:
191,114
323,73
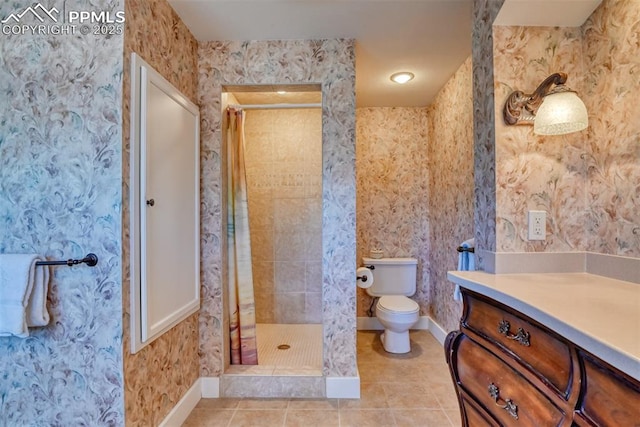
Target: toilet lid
398,303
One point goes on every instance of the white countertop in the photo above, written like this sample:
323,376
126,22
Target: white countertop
600,314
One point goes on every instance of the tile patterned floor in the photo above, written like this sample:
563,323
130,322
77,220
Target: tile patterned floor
305,341
413,389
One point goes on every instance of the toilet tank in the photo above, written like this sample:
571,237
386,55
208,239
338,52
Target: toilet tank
392,276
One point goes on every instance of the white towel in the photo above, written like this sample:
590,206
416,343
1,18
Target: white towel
466,262
23,294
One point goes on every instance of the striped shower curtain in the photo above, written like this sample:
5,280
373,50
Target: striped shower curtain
242,319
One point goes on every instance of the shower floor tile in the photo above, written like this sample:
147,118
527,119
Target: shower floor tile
304,341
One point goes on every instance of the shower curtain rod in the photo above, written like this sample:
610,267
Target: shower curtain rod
274,106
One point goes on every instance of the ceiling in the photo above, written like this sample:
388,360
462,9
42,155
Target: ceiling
546,13
430,38
273,97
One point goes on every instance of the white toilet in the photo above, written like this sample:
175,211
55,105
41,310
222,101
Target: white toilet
394,279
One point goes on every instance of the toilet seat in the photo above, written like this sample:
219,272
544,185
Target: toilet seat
397,314
397,304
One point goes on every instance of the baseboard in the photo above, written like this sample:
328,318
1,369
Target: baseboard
343,387
437,331
183,408
373,324
368,324
210,387
425,323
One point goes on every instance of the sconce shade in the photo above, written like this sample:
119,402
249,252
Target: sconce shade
561,113
552,109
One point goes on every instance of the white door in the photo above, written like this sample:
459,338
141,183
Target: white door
168,200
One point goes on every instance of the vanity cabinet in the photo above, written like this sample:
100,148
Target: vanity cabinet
510,370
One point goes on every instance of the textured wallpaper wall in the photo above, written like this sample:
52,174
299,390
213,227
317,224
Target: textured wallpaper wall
450,164
284,179
414,169
587,181
62,190
61,195
537,172
484,152
332,64
156,377
612,153
392,192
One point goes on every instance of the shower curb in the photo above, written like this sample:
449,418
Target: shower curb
277,386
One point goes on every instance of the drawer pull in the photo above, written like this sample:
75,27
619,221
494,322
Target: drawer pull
509,406
521,336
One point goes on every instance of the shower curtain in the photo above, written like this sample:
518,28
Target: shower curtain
242,323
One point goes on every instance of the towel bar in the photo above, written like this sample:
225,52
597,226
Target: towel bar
91,260
463,249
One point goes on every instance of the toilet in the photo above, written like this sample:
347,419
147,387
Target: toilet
394,280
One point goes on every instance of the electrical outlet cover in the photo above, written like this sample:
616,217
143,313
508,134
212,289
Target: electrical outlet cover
537,225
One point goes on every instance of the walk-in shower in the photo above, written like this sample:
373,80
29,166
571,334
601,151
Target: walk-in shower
283,165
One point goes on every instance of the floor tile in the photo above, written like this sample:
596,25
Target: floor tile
437,373
412,389
263,403
371,396
454,417
366,418
325,404
312,417
420,418
304,340
220,403
446,395
258,418
389,372
410,395
209,418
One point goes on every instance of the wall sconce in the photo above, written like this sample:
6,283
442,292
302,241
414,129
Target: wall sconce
553,110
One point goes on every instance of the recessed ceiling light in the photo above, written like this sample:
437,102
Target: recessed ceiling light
402,77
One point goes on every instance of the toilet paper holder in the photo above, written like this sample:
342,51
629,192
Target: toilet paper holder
364,278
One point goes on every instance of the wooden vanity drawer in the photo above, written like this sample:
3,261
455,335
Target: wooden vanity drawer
475,417
609,398
499,389
538,349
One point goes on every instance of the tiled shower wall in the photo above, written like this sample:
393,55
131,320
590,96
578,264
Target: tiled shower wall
284,180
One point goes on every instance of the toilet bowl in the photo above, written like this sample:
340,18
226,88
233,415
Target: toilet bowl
397,314
394,280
